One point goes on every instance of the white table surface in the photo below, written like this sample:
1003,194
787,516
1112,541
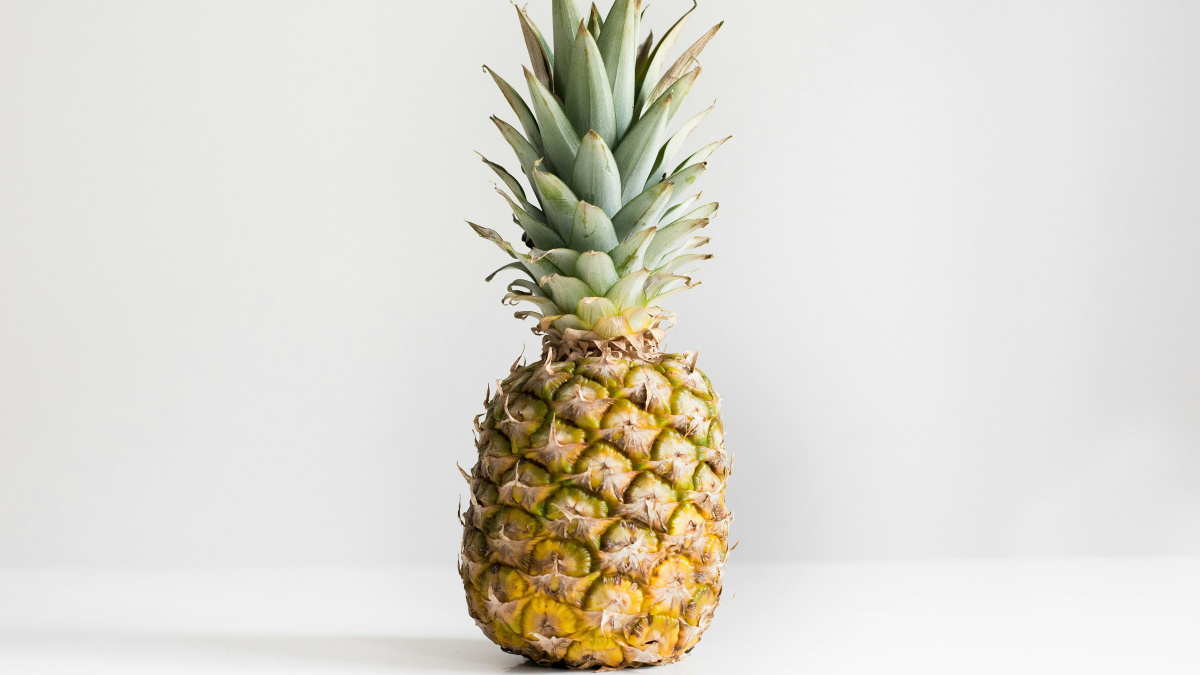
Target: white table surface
1136,616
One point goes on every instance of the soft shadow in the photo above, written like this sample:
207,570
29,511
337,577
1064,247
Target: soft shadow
398,654
404,654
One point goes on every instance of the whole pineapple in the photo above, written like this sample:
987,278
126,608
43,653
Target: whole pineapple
597,530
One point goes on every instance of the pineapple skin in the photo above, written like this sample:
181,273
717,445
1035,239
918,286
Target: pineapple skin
597,531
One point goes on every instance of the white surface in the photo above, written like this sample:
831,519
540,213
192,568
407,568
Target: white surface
242,322
1055,617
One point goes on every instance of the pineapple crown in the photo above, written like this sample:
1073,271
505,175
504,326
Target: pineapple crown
614,229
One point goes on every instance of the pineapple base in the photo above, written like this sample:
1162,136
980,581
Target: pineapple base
597,531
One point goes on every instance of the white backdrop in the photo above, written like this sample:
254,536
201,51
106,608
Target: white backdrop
955,309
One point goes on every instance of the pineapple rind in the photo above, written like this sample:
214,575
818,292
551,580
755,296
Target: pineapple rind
597,531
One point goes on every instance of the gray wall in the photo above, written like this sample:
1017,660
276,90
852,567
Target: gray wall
955,309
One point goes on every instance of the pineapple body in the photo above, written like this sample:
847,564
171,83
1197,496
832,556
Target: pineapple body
597,531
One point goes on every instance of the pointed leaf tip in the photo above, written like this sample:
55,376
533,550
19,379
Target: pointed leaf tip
559,138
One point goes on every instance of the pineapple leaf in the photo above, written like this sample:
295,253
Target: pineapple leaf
520,290
494,237
682,63
702,154
540,55
558,201
514,185
595,176
709,211
546,306
684,179
610,327
657,299
525,288
559,137
568,322
679,91
592,310
543,237
534,267
642,211
595,22
678,263
538,268
566,19
643,57
618,46
592,230
671,147
676,212
597,271
658,284
516,264
669,236
637,151
630,254
589,96
649,74
565,291
675,254
526,153
630,291
564,259
524,114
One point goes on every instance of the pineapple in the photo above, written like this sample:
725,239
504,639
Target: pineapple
597,530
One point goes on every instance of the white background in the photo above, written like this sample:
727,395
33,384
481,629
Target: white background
955,308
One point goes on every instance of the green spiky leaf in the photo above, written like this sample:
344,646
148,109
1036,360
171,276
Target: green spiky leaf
597,271
564,259
658,298
536,268
565,291
682,264
566,20
643,211
591,310
678,92
526,153
540,55
682,64
660,283
514,185
595,177
589,97
684,179
630,255
630,291
672,146
543,237
676,212
558,135
709,211
638,150
618,45
647,76
515,265
595,22
592,230
524,114
670,235
701,155
524,291
558,201
643,57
